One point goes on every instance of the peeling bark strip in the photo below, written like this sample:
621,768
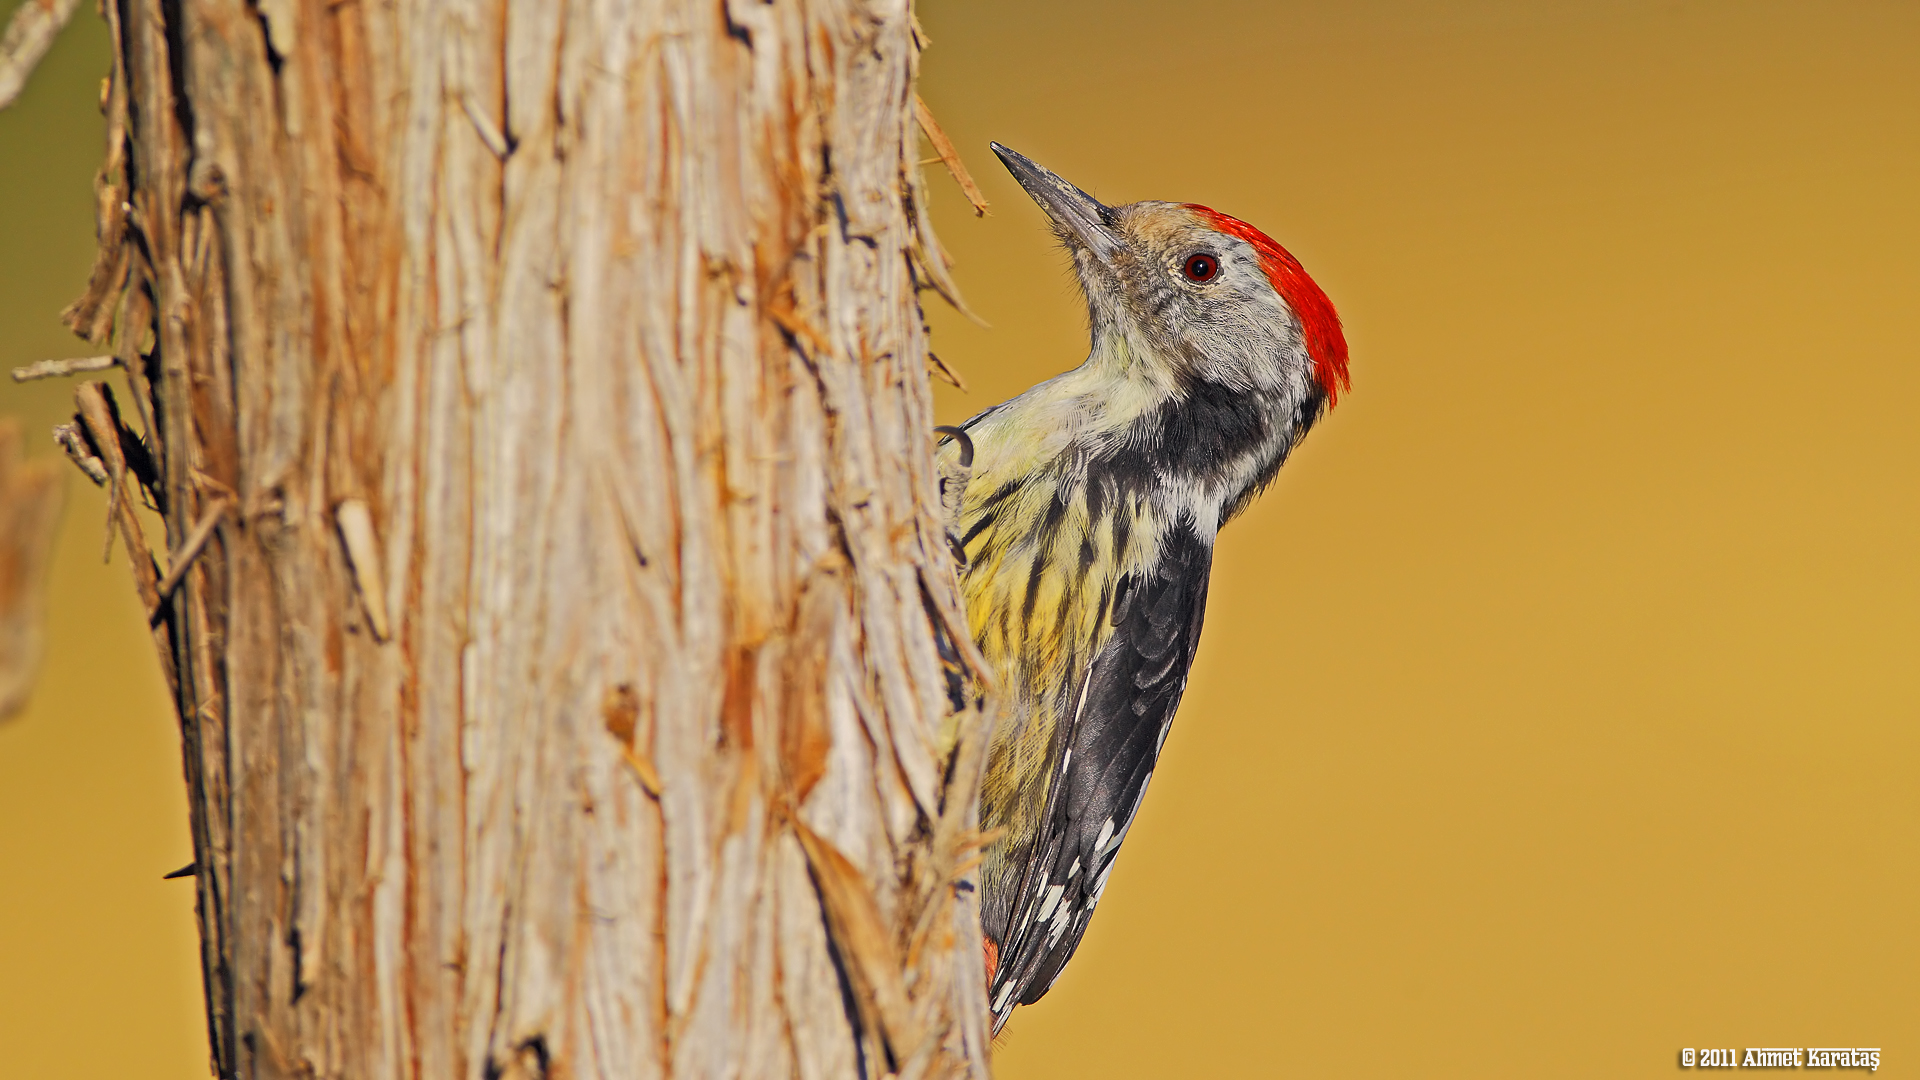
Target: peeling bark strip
536,398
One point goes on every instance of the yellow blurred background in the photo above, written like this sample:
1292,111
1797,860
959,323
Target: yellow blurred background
1557,708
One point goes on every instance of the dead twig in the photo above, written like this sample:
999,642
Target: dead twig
190,549
54,369
29,35
944,147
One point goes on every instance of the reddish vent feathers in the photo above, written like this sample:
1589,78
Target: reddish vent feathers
1325,341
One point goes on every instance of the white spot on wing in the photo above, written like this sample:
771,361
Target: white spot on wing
1053,897
1086,684
1100,883
1074,870
1000,1003
1106,833
1060,922
1144,781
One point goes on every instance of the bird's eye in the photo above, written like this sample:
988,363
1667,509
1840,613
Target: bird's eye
1201,267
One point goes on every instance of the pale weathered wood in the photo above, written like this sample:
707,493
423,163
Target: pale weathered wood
556,653
30,499
54,369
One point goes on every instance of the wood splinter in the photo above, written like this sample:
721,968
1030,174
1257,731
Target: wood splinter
75,444
622,713
483,126
94,404
947,374
363,557
643,770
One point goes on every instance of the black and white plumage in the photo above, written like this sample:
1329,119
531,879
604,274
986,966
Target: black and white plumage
1085,517
1117,730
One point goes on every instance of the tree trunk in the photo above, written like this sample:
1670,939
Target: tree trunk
535,398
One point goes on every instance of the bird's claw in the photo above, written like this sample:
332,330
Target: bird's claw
956,472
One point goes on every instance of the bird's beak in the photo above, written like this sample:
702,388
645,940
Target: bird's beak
1073,210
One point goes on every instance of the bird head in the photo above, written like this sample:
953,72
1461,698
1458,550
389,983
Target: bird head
1178,293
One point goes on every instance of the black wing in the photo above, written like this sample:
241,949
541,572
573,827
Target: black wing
1120,721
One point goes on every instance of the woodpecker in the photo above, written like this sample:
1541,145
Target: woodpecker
1083,514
